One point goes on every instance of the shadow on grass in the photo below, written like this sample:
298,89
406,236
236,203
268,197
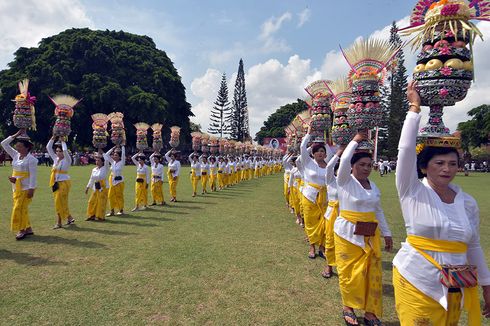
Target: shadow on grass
51,239
129,222
387,265
388,290
22,258
76,228
197,201
152,218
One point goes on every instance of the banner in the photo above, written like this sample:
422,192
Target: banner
276,143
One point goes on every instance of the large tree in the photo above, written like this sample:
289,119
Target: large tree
476,132
397,101
221,112
110,70
277,121
239,119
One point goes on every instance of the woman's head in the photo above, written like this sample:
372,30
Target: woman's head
319,152
141,159
212,159
438,164
116,156
99,160
157,158
205,159
362,164
23,146
59,152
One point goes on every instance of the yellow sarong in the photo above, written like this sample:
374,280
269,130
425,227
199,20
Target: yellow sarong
204,182
212,179
116,195
61,199
471,298
52,176
172,184
157,190
294,195
329,238
97,202
194,180
313,215
141,198
221,179
359,268
19,219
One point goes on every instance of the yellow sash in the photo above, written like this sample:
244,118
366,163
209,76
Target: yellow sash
19,175
471,298
333,203
52,177
372,243
141,176
317,187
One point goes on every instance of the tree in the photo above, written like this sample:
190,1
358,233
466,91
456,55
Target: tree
398,104
239,118
277,121
383,137
110,70
221,113
476,131
195,127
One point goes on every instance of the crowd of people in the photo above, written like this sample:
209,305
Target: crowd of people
107,181
437,269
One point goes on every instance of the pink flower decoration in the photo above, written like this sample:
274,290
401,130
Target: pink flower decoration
443,92
445,50
446,71
449,34
450,10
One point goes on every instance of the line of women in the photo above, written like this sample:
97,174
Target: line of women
439,265
221,172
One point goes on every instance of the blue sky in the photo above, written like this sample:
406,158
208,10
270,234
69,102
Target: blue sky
284,44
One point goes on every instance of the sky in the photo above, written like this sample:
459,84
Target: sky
285,44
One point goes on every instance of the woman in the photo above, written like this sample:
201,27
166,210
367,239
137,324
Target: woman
442,224
195,172
173,171
221,173
23,180
98,199
142,182
314,198
205,172
60,182
293,192
357,236
117,160
227,172
286,161
213,170
331,214
157,179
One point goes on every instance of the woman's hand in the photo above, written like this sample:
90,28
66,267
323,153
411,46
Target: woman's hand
86,190
388,244
413,97
486,298
340,150
360,136
309,130
30,193
17,133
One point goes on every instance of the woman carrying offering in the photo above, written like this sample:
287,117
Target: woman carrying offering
221,173
142,182
195,172
157,179
205,172
59,182
173,171
213,170
23,180
357,236
314,199
98,199
117,159
331,214
434,273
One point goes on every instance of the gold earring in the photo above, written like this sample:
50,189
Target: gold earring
424,171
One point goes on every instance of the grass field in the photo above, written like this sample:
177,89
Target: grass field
228,258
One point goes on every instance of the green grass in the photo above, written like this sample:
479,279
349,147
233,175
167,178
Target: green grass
228,258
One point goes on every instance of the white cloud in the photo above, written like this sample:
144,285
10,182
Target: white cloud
205,88
25,23
304,16
268,31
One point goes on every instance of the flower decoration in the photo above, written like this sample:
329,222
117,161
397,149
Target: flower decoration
446,71
419,148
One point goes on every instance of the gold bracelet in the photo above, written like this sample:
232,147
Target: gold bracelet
415,106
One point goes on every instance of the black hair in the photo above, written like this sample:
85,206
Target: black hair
26,143
357,156
317,146
428,153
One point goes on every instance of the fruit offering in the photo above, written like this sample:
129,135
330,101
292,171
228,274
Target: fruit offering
341,93
157,136
118,134
213,145
174,136
24,112
319,110
196,140
99,126
141,133
63,112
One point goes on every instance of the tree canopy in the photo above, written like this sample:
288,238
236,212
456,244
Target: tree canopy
277,121
110,70
476,131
